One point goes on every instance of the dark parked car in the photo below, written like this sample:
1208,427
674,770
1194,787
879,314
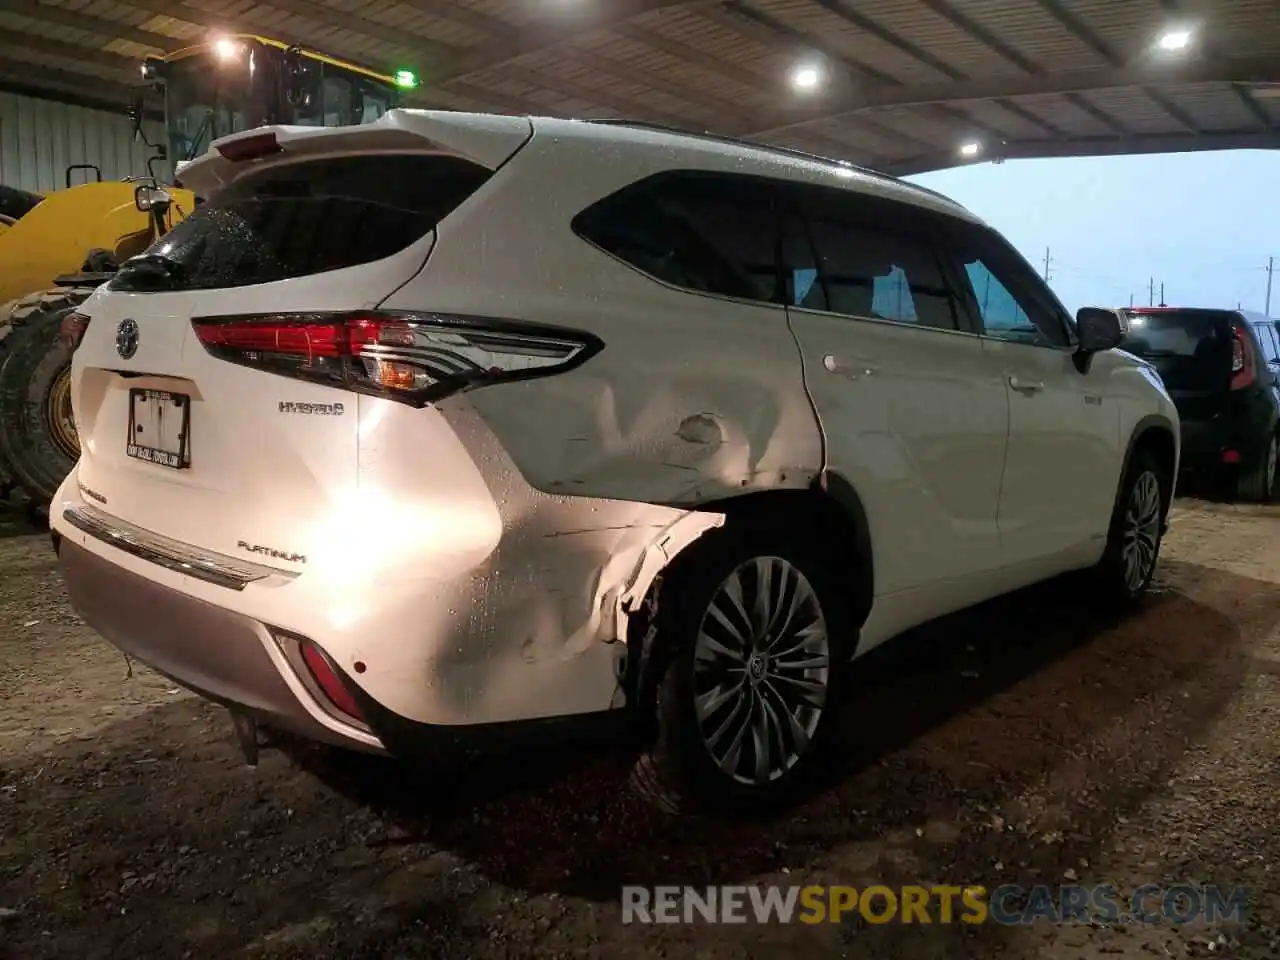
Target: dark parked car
1220,367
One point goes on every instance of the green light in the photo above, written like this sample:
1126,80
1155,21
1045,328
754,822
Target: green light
406,78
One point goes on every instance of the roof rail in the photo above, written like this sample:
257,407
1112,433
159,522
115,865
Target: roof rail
766,147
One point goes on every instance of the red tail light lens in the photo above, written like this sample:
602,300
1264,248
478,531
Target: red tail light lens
1241,358
72,328
414,358
330,684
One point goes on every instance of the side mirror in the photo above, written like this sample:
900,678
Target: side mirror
1098,329
148,198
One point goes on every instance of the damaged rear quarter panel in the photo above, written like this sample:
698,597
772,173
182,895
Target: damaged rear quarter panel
693,397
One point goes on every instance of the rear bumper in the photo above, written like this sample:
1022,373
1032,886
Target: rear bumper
1205,445
215,652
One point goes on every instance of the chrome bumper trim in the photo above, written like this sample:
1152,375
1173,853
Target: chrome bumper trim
179,557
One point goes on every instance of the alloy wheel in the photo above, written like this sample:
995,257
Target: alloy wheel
1141,531
762,663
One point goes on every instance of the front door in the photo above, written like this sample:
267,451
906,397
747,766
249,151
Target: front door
1059,480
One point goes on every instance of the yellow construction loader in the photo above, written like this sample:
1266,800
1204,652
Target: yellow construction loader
56,247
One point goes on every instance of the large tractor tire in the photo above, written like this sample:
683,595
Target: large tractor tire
38,442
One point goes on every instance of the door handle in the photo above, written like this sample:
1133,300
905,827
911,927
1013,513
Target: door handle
852,369
1022,385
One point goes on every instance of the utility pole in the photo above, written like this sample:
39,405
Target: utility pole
1151,292
1046,264
1271,268
1131,301
1162,303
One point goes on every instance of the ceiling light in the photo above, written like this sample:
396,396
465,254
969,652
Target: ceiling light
970,149
226,48
1175,40
806,77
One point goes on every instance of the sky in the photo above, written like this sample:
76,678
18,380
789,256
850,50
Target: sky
1203,223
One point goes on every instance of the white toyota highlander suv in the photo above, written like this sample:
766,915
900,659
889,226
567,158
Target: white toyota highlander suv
420,431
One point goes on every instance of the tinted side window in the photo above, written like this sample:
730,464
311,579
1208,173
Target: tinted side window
304,218
872,262
1010,299
1266,335
706,232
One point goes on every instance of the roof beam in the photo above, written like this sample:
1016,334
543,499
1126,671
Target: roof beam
707,103
56,48
1083,32
601,98
78,20
523,41
1211,49
744,18
1011,54
1233,70
1104,147
38,82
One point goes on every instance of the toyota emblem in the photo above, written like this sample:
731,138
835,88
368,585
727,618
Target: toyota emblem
127,338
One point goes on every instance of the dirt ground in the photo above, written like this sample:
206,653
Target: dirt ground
1030,741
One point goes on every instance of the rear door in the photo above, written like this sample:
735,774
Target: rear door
912,410
1192,350
210,452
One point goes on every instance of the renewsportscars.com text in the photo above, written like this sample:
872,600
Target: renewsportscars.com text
1007,904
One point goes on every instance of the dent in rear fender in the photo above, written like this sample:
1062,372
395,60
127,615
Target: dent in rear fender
510,605
660,430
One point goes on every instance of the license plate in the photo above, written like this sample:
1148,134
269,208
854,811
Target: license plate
159,428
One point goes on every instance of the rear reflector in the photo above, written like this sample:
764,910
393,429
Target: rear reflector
410,357
249,148
1230,456
330,684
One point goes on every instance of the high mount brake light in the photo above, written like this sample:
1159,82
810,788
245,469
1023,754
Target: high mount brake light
250,148
410,357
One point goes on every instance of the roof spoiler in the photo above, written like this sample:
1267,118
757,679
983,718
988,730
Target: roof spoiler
486,139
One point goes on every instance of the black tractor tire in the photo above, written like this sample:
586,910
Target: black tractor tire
1137,531
33,362
676,771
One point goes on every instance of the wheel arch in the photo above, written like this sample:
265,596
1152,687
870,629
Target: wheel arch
829,507
1155,433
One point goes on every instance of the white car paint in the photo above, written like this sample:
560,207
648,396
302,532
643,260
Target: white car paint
479,557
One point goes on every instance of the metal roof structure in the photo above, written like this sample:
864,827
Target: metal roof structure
902,83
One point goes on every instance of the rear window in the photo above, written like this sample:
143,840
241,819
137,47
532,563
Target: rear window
707,232
1191,349
302,219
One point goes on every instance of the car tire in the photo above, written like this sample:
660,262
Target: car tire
1137,530
745,701
1258,484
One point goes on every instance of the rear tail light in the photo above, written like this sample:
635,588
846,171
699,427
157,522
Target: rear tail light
1241,358
413,358
71,330
330,684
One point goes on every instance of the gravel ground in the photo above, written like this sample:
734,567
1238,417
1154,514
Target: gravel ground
1030,741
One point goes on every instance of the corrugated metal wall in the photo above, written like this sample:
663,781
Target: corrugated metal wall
39,139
